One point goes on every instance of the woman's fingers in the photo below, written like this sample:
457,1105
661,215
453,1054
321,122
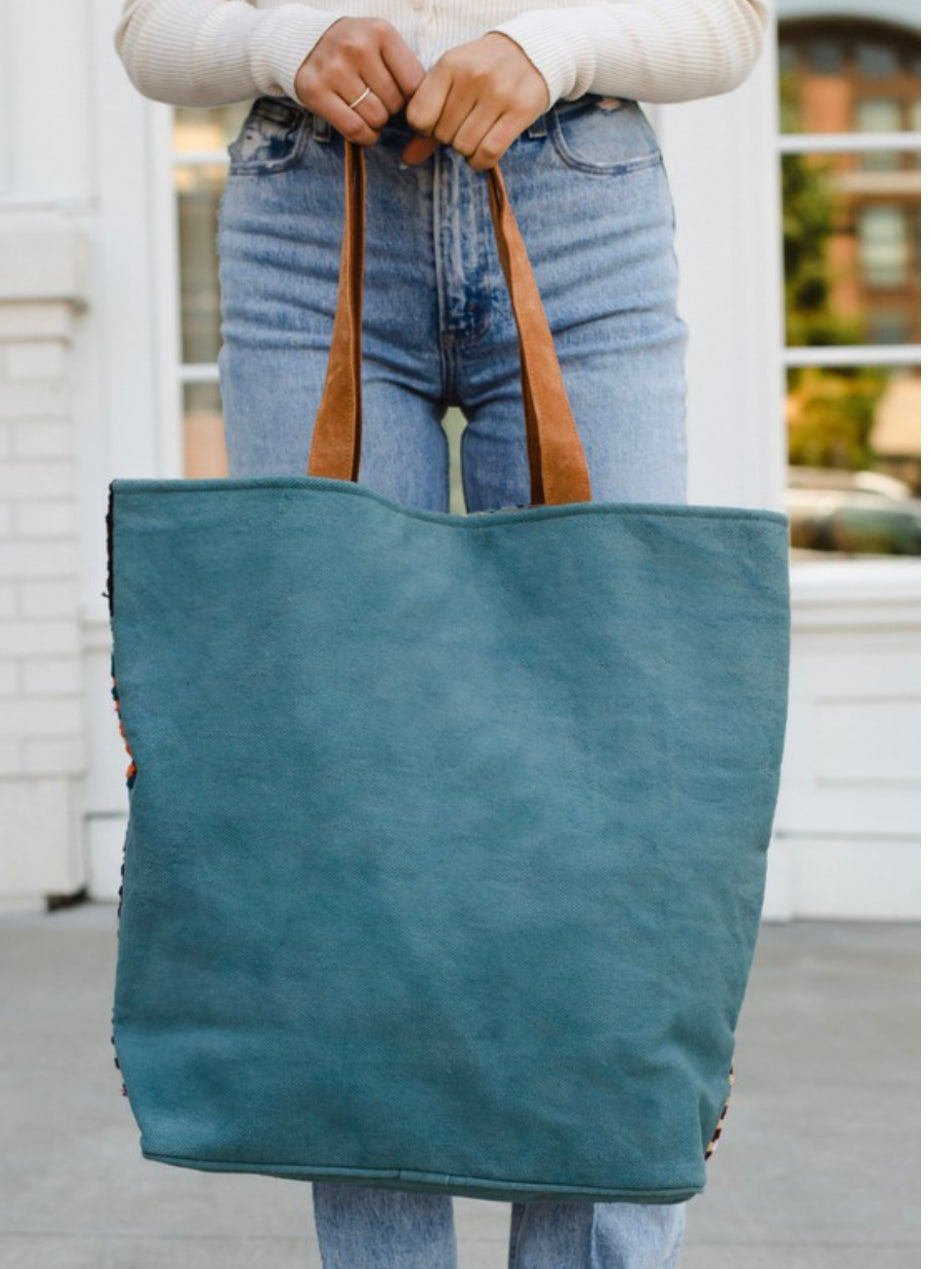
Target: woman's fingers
476,128
402,65
478,97
354,54
352,123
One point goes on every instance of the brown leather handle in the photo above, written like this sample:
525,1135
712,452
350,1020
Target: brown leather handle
558,467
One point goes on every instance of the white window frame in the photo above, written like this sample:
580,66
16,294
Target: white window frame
849,143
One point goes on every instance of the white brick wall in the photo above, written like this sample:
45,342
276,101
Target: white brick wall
43,723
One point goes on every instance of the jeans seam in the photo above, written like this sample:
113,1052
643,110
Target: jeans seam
449,338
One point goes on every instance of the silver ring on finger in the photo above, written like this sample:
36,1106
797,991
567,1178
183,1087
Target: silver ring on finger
353,104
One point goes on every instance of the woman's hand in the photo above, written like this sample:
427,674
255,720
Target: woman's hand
351,55
478,98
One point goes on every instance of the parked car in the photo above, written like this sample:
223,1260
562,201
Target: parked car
856,513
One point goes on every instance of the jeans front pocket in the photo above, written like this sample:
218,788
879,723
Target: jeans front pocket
609,137
273,137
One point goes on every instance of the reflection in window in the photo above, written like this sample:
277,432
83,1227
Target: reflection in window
204,442
877,60
830,72
854,460
879,114
851,250
825,57
882,246
198,193
200,140
887,328
851,274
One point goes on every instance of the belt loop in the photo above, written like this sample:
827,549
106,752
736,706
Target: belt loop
538,127
322,130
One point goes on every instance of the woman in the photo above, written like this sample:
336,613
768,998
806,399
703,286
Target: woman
437,92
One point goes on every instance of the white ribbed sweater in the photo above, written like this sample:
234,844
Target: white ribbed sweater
211,52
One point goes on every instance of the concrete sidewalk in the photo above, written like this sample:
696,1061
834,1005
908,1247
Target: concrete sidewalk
817,1167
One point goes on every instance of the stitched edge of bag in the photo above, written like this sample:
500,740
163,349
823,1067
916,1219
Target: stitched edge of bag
428,1180
129,485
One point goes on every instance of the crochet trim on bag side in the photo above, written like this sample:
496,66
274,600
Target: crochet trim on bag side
130,781
131,769
723,1114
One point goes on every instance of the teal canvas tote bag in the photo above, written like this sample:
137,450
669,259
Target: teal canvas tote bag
447,834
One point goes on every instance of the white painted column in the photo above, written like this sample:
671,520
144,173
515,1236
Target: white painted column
723,170
43,733
47,152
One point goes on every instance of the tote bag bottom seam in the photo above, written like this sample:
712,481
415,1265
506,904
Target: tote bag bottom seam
483,1187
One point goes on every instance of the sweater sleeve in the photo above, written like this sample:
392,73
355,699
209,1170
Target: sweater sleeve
647,50
213,52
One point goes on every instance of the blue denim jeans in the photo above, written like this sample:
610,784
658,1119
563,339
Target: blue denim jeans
591,197
590,193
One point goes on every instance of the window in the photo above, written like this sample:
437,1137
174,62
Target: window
200,164
880,114
878,59
850,109
883,248
825,56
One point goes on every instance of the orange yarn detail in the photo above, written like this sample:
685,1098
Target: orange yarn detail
131,769
130,777
717,1131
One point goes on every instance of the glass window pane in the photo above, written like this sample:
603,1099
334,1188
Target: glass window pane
882,246
885,160
880,114
825,56
851,251
854,461
204,441
198,193
887,328
830,72
877,59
